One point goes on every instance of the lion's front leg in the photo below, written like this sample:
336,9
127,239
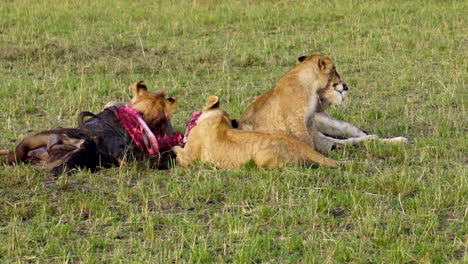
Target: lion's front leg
336,128
187,155
347,141
184,157
349,133
395,140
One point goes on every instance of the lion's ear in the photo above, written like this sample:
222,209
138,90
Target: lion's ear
325,65
234,123
302,58
212,102
172,99
139,88
171,104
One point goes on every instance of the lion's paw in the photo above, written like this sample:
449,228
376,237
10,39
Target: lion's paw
370,137
396,140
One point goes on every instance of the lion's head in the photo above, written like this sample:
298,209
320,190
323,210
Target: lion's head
153,105
335,90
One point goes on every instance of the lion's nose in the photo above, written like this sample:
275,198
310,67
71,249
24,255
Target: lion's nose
345,87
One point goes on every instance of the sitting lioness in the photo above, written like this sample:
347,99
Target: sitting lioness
213,140
297,106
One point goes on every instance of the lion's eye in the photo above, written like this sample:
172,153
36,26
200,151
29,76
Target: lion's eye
335,84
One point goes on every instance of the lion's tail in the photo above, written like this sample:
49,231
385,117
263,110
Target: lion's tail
315,157
309,155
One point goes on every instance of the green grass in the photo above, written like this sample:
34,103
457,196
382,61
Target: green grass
405,63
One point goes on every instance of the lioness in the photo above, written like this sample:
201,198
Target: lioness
297,105
213,140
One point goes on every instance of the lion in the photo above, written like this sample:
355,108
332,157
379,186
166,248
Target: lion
214,140
297,106
106,131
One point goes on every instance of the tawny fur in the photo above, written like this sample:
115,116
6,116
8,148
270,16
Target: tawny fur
291,105
297,106
154,106
214,141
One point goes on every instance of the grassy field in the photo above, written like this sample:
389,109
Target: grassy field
405,63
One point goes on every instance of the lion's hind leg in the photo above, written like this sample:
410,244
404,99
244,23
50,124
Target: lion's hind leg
269,158
277,156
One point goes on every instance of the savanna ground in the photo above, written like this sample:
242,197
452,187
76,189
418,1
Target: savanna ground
405,63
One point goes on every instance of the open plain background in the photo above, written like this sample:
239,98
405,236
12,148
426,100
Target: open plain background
406,66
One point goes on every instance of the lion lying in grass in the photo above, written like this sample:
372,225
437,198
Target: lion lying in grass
213,140
105,140
297,106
